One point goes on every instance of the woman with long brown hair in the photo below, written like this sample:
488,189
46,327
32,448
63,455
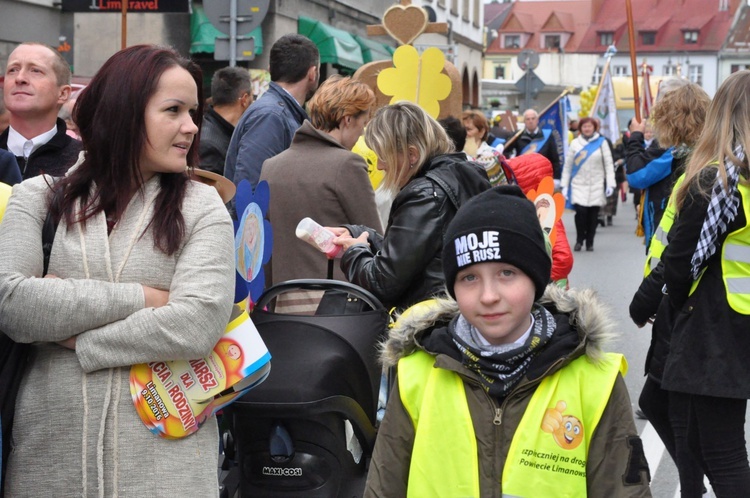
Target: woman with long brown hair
141,270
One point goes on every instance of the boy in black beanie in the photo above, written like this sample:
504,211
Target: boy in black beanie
506,390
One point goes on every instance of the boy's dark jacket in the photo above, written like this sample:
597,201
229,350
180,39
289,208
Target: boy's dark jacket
616,453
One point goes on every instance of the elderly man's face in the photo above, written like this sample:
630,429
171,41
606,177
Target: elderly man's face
530,120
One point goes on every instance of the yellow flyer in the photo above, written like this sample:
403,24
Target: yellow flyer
174,398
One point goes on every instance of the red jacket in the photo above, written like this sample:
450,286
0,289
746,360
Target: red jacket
529,169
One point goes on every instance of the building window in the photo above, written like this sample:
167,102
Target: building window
669,70
454,7
441,3
695,74
597,76
690,36
552,41
723,5
477,6
499,72
619,70
465,9
648,37
739,67
512,41
606,38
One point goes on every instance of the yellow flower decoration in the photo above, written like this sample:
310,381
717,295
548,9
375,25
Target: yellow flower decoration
417,79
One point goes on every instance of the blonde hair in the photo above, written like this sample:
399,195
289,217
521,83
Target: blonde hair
727,125
337,98
396,128
679,115
478,120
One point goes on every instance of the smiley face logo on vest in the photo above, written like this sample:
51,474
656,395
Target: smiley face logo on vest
566,430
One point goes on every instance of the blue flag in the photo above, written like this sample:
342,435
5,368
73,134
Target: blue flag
555,119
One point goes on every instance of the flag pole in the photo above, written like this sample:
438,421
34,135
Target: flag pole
633,63
559,97
646,98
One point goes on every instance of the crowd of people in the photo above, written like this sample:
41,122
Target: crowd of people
504,369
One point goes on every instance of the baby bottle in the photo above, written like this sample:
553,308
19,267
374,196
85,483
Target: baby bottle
318,237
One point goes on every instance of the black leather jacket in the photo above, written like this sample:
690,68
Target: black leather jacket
404,266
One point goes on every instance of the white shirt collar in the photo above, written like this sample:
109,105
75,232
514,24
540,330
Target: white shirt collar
23,147
292,96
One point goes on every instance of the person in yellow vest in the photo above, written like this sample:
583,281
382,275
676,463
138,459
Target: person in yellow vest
650,305
706,268
503,389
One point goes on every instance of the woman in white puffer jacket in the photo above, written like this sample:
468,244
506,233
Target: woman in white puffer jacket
588,177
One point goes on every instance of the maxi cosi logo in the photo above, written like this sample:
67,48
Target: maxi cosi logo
281,471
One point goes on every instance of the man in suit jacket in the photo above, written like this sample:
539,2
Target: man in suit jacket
533,139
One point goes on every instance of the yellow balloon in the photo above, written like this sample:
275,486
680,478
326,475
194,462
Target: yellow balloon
371,159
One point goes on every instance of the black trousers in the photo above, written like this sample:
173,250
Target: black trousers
715,433
656,405
586,219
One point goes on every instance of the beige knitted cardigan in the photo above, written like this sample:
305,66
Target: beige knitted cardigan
76,432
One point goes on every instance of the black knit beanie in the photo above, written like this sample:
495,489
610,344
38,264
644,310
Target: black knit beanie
499,224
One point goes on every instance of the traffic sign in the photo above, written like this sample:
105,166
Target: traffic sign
528,59
250,13
245,49
530,79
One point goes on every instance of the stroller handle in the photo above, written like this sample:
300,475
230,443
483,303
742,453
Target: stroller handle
318,284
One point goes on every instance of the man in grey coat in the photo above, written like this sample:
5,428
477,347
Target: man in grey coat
267,127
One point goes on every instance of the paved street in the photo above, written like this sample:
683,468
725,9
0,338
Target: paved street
615,270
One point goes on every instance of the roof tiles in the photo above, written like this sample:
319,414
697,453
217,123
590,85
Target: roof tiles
580,18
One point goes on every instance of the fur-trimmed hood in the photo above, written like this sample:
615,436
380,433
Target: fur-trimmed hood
585,312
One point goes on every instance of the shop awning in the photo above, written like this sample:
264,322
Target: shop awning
203,34
335,45
374,51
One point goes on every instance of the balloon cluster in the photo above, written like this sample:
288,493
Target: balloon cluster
587,100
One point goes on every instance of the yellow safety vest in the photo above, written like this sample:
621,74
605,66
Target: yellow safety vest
547,456
735,261
659,240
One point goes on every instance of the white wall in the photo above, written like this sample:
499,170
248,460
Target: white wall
709,62
554,69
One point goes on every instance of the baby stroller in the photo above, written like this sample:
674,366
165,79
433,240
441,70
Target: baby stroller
309,429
